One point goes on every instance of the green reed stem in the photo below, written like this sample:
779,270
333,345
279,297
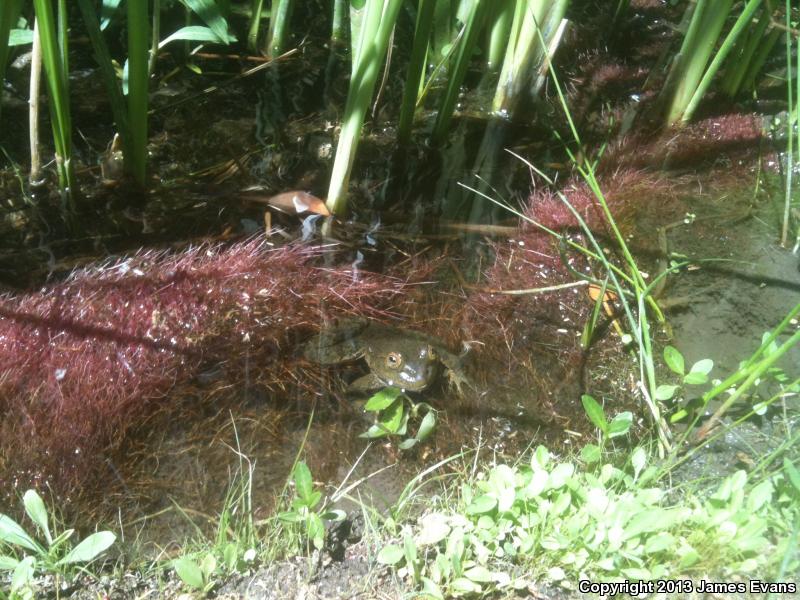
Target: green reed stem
416,68
107,73
763,52
472,29
57,84
727,45
698,45
378,24
744,55
280,16
791,101
499,32
9,14
337,23
155,37
358,15
256,9
639,323
138,54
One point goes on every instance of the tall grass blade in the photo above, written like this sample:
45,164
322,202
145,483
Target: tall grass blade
376,30
35,85
337,22
728,44
472,29
107,73
499,33
743,55
138,63
279,26
690,63
257,7
791,101
9,14
416,68
57,83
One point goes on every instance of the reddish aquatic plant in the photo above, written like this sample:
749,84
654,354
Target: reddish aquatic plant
708,141
84,361
532,310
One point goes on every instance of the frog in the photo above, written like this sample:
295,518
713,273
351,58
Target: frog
408,360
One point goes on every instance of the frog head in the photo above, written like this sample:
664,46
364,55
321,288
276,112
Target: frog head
408,364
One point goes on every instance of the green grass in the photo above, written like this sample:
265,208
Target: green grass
543,519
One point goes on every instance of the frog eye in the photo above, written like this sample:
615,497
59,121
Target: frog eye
427,352
394,360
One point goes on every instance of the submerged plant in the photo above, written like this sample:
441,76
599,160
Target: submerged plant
393,410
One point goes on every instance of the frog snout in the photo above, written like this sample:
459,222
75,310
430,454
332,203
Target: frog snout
418,378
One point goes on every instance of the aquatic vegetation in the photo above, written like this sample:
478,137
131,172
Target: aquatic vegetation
85,361
393,411
55,53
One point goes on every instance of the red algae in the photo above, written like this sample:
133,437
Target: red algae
532,337
696,144
85,361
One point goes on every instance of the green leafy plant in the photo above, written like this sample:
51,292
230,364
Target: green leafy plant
234,546
619,425
393,411
54,555
197,575
303,512
550,520
697,375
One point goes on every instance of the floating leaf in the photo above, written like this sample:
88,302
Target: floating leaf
702,366
20,37
695,378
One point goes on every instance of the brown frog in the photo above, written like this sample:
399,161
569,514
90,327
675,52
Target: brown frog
404,359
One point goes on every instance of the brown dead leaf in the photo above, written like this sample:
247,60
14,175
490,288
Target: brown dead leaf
295,202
